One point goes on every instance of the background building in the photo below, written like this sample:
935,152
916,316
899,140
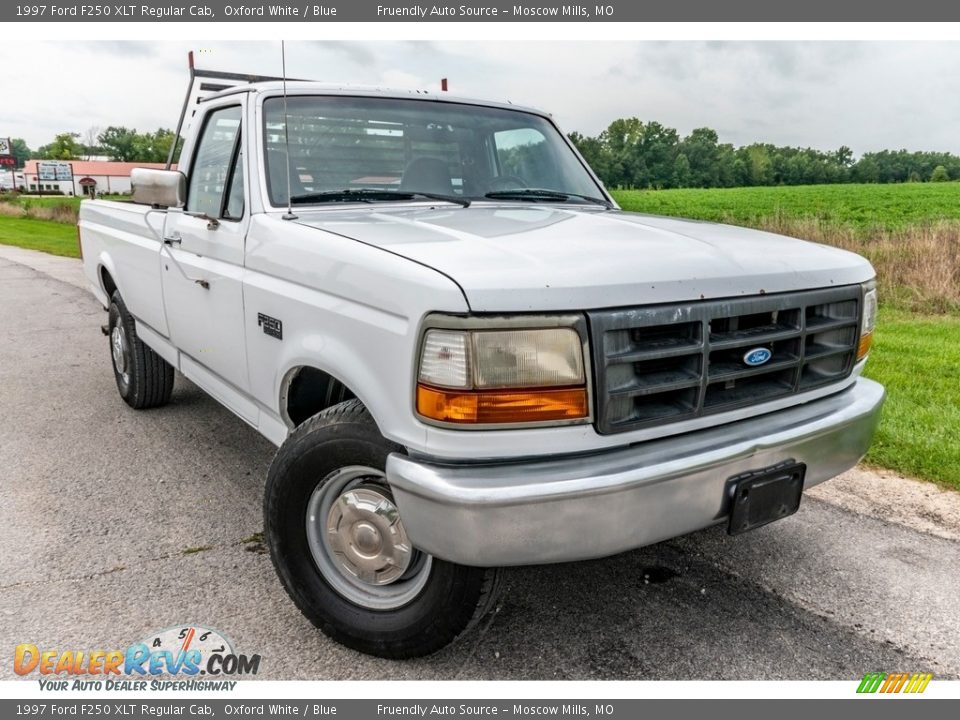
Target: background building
89,176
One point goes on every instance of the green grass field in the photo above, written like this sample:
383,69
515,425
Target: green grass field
862,207
45,235
54,200
49,201
918,360
56,208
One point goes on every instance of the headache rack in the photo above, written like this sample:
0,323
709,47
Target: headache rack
667,363
198,93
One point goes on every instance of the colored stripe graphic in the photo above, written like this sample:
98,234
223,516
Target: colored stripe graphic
871,682
888,683
919,682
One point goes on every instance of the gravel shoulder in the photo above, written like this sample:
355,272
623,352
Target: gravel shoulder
888,496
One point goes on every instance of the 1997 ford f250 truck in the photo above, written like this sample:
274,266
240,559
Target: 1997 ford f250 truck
468,355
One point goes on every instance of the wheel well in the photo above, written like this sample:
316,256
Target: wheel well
109,286
308,391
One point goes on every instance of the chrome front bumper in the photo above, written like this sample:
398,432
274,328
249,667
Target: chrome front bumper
574,508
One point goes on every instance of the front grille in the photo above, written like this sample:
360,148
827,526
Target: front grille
668,363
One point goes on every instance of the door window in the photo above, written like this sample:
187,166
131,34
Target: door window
216,168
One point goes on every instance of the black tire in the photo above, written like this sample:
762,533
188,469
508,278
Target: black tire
146,379
453,598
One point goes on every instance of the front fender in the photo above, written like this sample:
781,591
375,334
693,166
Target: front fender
345,308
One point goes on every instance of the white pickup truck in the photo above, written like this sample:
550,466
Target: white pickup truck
468,355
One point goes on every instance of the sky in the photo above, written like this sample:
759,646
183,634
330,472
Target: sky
866,95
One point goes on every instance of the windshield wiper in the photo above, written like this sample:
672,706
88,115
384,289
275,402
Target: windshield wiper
373,195
544,194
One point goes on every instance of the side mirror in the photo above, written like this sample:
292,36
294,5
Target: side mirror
165,188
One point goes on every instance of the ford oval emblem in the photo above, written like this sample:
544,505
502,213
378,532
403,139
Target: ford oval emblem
757,356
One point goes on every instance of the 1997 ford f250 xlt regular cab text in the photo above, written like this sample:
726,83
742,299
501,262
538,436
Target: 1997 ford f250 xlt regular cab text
468,355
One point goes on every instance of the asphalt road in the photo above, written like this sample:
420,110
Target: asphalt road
115,523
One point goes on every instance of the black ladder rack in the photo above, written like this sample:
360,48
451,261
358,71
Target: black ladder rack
227,80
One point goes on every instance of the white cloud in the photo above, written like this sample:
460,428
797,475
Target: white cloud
401,79
867,95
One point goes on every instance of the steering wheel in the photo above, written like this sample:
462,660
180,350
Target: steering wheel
507,182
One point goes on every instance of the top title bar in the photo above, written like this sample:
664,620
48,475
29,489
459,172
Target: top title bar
479,11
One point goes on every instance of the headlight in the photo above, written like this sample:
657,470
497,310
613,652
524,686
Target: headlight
522,375
868,322
444,360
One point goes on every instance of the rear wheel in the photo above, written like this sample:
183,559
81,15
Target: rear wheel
338,543
144,379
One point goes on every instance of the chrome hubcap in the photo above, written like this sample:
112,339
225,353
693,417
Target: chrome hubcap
358,542
367,538
118,346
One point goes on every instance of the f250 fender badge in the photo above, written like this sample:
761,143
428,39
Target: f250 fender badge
271,326
757,356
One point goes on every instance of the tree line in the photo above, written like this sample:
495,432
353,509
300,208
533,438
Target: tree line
115,142
631,153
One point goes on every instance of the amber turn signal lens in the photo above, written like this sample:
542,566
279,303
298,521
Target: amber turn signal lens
501,406
864,347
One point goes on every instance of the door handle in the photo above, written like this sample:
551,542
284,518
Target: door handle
165,245
167,242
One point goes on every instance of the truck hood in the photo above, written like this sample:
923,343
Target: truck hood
509,258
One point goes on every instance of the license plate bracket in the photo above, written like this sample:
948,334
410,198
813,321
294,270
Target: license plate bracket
760,497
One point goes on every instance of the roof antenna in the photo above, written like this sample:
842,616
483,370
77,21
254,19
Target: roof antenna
288,215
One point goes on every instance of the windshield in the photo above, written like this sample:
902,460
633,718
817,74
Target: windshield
408,147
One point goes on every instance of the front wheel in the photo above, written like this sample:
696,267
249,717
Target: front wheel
338,544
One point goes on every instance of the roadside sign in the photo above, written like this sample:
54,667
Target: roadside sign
8,160
54,170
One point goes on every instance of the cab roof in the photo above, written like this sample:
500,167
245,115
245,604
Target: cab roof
302,87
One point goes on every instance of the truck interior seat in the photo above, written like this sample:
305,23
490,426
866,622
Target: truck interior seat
427,174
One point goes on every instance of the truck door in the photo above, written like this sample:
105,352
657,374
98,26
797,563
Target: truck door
203,289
